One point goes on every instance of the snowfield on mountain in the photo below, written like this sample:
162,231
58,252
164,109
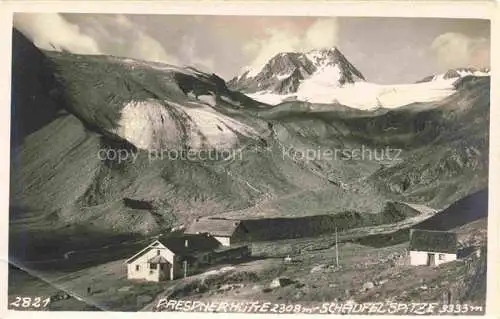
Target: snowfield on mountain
327,77
156,125
363,95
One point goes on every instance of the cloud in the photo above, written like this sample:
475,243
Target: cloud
322,33
276,41
118,35
50,31
190,56
91,34
454,50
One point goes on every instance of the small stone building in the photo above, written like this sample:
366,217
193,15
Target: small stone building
226,231
169,258
432,248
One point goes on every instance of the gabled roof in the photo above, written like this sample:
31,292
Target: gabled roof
177,245
195,244
156,244
433,241
214,227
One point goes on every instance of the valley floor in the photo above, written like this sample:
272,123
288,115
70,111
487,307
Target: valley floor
312,278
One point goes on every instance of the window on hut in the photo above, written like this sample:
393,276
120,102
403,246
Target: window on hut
152,266
137,267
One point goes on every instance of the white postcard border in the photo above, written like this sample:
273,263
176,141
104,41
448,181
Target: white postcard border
449,9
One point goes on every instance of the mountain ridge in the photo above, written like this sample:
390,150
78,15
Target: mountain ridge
456,73
285,71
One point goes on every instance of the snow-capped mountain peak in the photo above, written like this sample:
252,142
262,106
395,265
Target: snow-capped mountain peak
286,71
326,56
322,56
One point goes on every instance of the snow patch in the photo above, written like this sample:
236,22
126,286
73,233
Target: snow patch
317,57
214,129
208,99
283,76
267,97
160,66
191,95
153,125
148,125
463,73
230,101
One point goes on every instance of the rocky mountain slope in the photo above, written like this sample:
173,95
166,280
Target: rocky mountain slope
70,110
455,161
285,72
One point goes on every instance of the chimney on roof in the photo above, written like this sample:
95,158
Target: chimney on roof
186,244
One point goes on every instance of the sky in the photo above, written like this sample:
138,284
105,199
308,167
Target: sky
384,50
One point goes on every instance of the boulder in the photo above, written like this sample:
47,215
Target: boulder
368,285
318,268
280,282
299,294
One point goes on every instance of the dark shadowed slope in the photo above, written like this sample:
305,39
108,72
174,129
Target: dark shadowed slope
35,91
462,212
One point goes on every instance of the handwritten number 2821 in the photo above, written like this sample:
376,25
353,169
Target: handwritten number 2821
29,302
